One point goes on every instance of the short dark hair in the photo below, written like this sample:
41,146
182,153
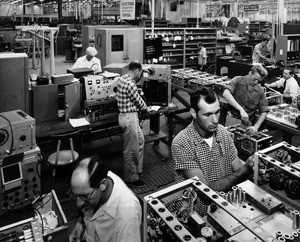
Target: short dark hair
206,93
265,39
260,70
290,70
135,65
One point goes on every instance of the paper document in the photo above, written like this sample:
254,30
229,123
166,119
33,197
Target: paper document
77,122
155,107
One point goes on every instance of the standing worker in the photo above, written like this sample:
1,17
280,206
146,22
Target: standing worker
129,104
245,97
202,57
89,60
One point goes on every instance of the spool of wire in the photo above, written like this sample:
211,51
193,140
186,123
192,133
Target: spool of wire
281,239
240,194
230,196
234,191
226,196
296,236
243,196
296,219
222,194
278,234
287,237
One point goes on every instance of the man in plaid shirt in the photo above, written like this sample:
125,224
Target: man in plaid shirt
129,104
205,148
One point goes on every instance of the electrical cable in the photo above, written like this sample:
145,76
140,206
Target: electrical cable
42,222
36,166
12,134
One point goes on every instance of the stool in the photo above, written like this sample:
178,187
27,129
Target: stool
65,156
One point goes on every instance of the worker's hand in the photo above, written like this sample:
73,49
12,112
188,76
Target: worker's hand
249,164
77,233
244,116
149,110
270,60
251,130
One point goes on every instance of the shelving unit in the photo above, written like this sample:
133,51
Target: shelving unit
208,38
173,45
288,48
180,45
259,27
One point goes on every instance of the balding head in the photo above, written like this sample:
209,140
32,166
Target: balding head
80,176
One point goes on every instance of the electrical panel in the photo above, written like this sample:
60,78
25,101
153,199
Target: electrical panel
277,170
249,143
157,84
246,210
101,87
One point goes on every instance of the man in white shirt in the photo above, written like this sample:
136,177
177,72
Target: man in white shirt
202,57
110,210
288,83
89,60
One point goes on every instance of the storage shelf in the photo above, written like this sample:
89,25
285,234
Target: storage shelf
286,42
292,51
166,56
172,50
188,47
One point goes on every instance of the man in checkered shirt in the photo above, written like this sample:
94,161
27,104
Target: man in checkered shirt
129,104
205,148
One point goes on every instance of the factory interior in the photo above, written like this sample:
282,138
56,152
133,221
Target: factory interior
187,111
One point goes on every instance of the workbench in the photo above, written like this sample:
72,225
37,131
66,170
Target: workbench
107,127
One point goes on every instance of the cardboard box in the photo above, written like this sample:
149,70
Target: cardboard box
50,203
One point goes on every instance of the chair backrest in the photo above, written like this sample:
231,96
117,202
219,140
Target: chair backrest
68,141
224,71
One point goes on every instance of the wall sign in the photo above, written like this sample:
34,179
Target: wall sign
127,9
251,8
153,48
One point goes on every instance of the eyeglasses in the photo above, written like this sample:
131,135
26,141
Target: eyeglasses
84,198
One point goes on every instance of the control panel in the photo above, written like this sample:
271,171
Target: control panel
101,87
19,180
17,133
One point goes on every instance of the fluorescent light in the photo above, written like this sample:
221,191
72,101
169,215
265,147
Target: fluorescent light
15,1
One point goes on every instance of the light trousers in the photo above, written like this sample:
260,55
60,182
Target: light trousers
133,148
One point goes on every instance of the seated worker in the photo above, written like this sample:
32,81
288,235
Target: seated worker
260,51
109,209
202,57
205,149
288,84
89,60
245,96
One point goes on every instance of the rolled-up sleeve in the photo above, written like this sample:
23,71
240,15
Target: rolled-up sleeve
231,86
263,104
